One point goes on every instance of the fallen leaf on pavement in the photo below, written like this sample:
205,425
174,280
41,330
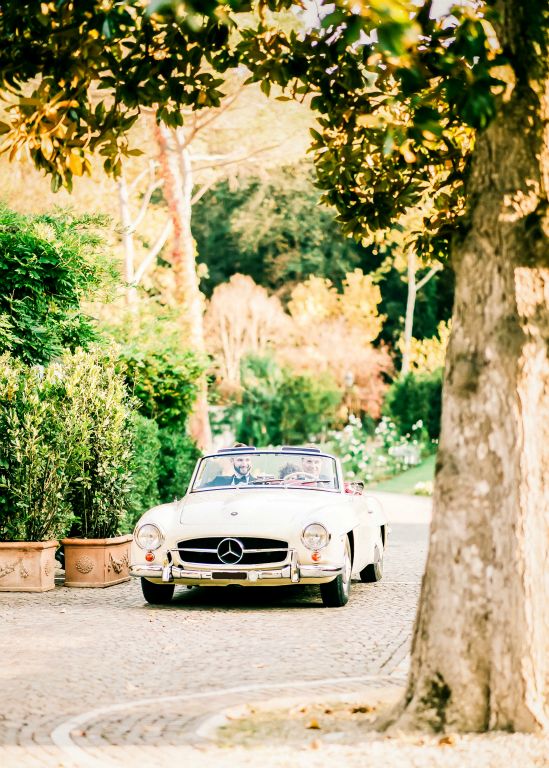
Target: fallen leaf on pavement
447,741
314,725
315,744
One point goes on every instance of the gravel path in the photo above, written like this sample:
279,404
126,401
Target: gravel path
99,678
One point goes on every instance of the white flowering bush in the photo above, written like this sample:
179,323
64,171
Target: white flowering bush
423,489
373,457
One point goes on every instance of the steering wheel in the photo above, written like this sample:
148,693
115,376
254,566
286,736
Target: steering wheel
306,476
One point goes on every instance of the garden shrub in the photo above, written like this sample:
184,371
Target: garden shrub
48,265
308,408
165,381
178,456
279,407
42,435
100,484
144,468
414,398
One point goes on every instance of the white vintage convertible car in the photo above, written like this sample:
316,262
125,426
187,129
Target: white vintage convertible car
260,518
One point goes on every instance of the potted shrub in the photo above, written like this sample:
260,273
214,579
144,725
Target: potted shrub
35,451
96,550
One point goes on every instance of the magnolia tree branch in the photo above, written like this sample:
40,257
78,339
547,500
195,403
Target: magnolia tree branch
425,279
153,252
199,125
413,289
217,161
203,189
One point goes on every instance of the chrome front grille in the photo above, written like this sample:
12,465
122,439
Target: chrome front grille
257,551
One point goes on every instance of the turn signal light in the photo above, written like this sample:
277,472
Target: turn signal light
149,557
315,557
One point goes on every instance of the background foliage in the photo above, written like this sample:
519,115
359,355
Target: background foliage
48,265
101,483
279,407
40,437
416,398
65,459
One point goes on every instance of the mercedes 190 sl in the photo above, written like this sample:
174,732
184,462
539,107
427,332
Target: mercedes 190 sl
259,518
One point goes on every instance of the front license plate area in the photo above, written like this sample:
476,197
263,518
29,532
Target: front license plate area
223,575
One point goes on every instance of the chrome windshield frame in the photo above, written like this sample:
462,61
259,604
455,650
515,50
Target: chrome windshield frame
277,483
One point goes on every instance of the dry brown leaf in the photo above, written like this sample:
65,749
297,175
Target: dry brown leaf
447,741
328,711
362,710
313,725
300,709
315,744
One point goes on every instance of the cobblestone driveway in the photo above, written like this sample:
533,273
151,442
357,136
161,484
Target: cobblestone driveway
71,651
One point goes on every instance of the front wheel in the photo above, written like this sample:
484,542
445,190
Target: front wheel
157,594
374,571
335,594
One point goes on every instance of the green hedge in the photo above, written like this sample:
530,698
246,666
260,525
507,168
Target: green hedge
164,381
48,265
37,448
144,468
416,397
279,407
66,448
178,456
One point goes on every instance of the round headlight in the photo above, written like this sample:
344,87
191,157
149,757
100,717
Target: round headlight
315,536
149,536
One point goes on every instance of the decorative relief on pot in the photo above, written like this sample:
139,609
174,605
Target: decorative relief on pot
84,564
47,567
5,570
118,565
23,572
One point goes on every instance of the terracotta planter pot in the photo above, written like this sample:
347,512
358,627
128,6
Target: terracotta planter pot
97,562
27,566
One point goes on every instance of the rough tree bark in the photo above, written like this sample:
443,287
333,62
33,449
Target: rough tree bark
176,171
480,657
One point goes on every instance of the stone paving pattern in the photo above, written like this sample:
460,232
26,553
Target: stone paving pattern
70,651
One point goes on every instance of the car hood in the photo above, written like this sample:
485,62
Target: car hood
248,507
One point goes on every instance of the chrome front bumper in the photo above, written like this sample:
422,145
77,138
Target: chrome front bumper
291,572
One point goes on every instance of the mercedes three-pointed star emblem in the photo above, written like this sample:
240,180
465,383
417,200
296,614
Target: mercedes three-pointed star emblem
230,551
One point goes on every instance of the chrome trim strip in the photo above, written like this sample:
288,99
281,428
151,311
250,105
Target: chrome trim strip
213,551
238,566
292,571
319,571
152,571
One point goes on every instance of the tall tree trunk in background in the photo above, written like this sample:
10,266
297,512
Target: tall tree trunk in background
414,286
175,169
410,307
480,657
127,241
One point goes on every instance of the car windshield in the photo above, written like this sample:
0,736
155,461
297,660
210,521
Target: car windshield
311,471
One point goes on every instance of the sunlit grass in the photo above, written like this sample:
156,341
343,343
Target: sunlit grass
406,481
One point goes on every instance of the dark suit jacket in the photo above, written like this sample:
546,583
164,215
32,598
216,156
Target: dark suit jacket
226,480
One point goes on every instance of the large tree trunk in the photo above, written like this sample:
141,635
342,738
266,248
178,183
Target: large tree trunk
175,168
480,657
